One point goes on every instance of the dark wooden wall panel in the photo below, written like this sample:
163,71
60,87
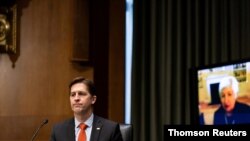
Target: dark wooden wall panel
107,27
117,60
99,28
37,86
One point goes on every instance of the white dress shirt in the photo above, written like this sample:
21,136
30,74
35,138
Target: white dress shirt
88,130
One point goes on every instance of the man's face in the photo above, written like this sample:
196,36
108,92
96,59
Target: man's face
228,98
80,99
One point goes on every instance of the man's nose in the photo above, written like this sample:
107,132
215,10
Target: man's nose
77,97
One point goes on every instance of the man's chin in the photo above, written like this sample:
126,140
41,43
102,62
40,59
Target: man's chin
77,110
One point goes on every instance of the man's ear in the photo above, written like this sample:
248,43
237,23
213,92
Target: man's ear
94,99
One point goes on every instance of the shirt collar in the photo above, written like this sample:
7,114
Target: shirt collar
88,122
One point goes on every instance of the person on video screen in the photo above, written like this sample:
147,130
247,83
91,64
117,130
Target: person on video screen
231,111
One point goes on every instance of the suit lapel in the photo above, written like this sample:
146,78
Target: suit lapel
96,129
71,130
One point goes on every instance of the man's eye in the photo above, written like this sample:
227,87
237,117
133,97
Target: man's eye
72,94
82,93
78,93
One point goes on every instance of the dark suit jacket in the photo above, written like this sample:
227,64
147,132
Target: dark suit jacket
240,115
102,130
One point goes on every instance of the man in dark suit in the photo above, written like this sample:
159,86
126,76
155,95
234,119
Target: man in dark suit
82,99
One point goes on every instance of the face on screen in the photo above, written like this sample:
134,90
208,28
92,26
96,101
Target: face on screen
228,98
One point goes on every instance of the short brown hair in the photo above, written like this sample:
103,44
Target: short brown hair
90,84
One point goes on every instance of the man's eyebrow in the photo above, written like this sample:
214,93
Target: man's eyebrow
79,92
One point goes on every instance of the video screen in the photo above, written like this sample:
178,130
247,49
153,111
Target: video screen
224,94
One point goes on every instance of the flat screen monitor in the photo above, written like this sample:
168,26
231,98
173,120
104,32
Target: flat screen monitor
220,93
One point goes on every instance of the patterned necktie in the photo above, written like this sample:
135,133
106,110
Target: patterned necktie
82,135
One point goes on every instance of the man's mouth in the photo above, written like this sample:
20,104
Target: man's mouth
77,105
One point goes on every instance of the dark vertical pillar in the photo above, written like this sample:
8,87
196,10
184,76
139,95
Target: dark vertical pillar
99,43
